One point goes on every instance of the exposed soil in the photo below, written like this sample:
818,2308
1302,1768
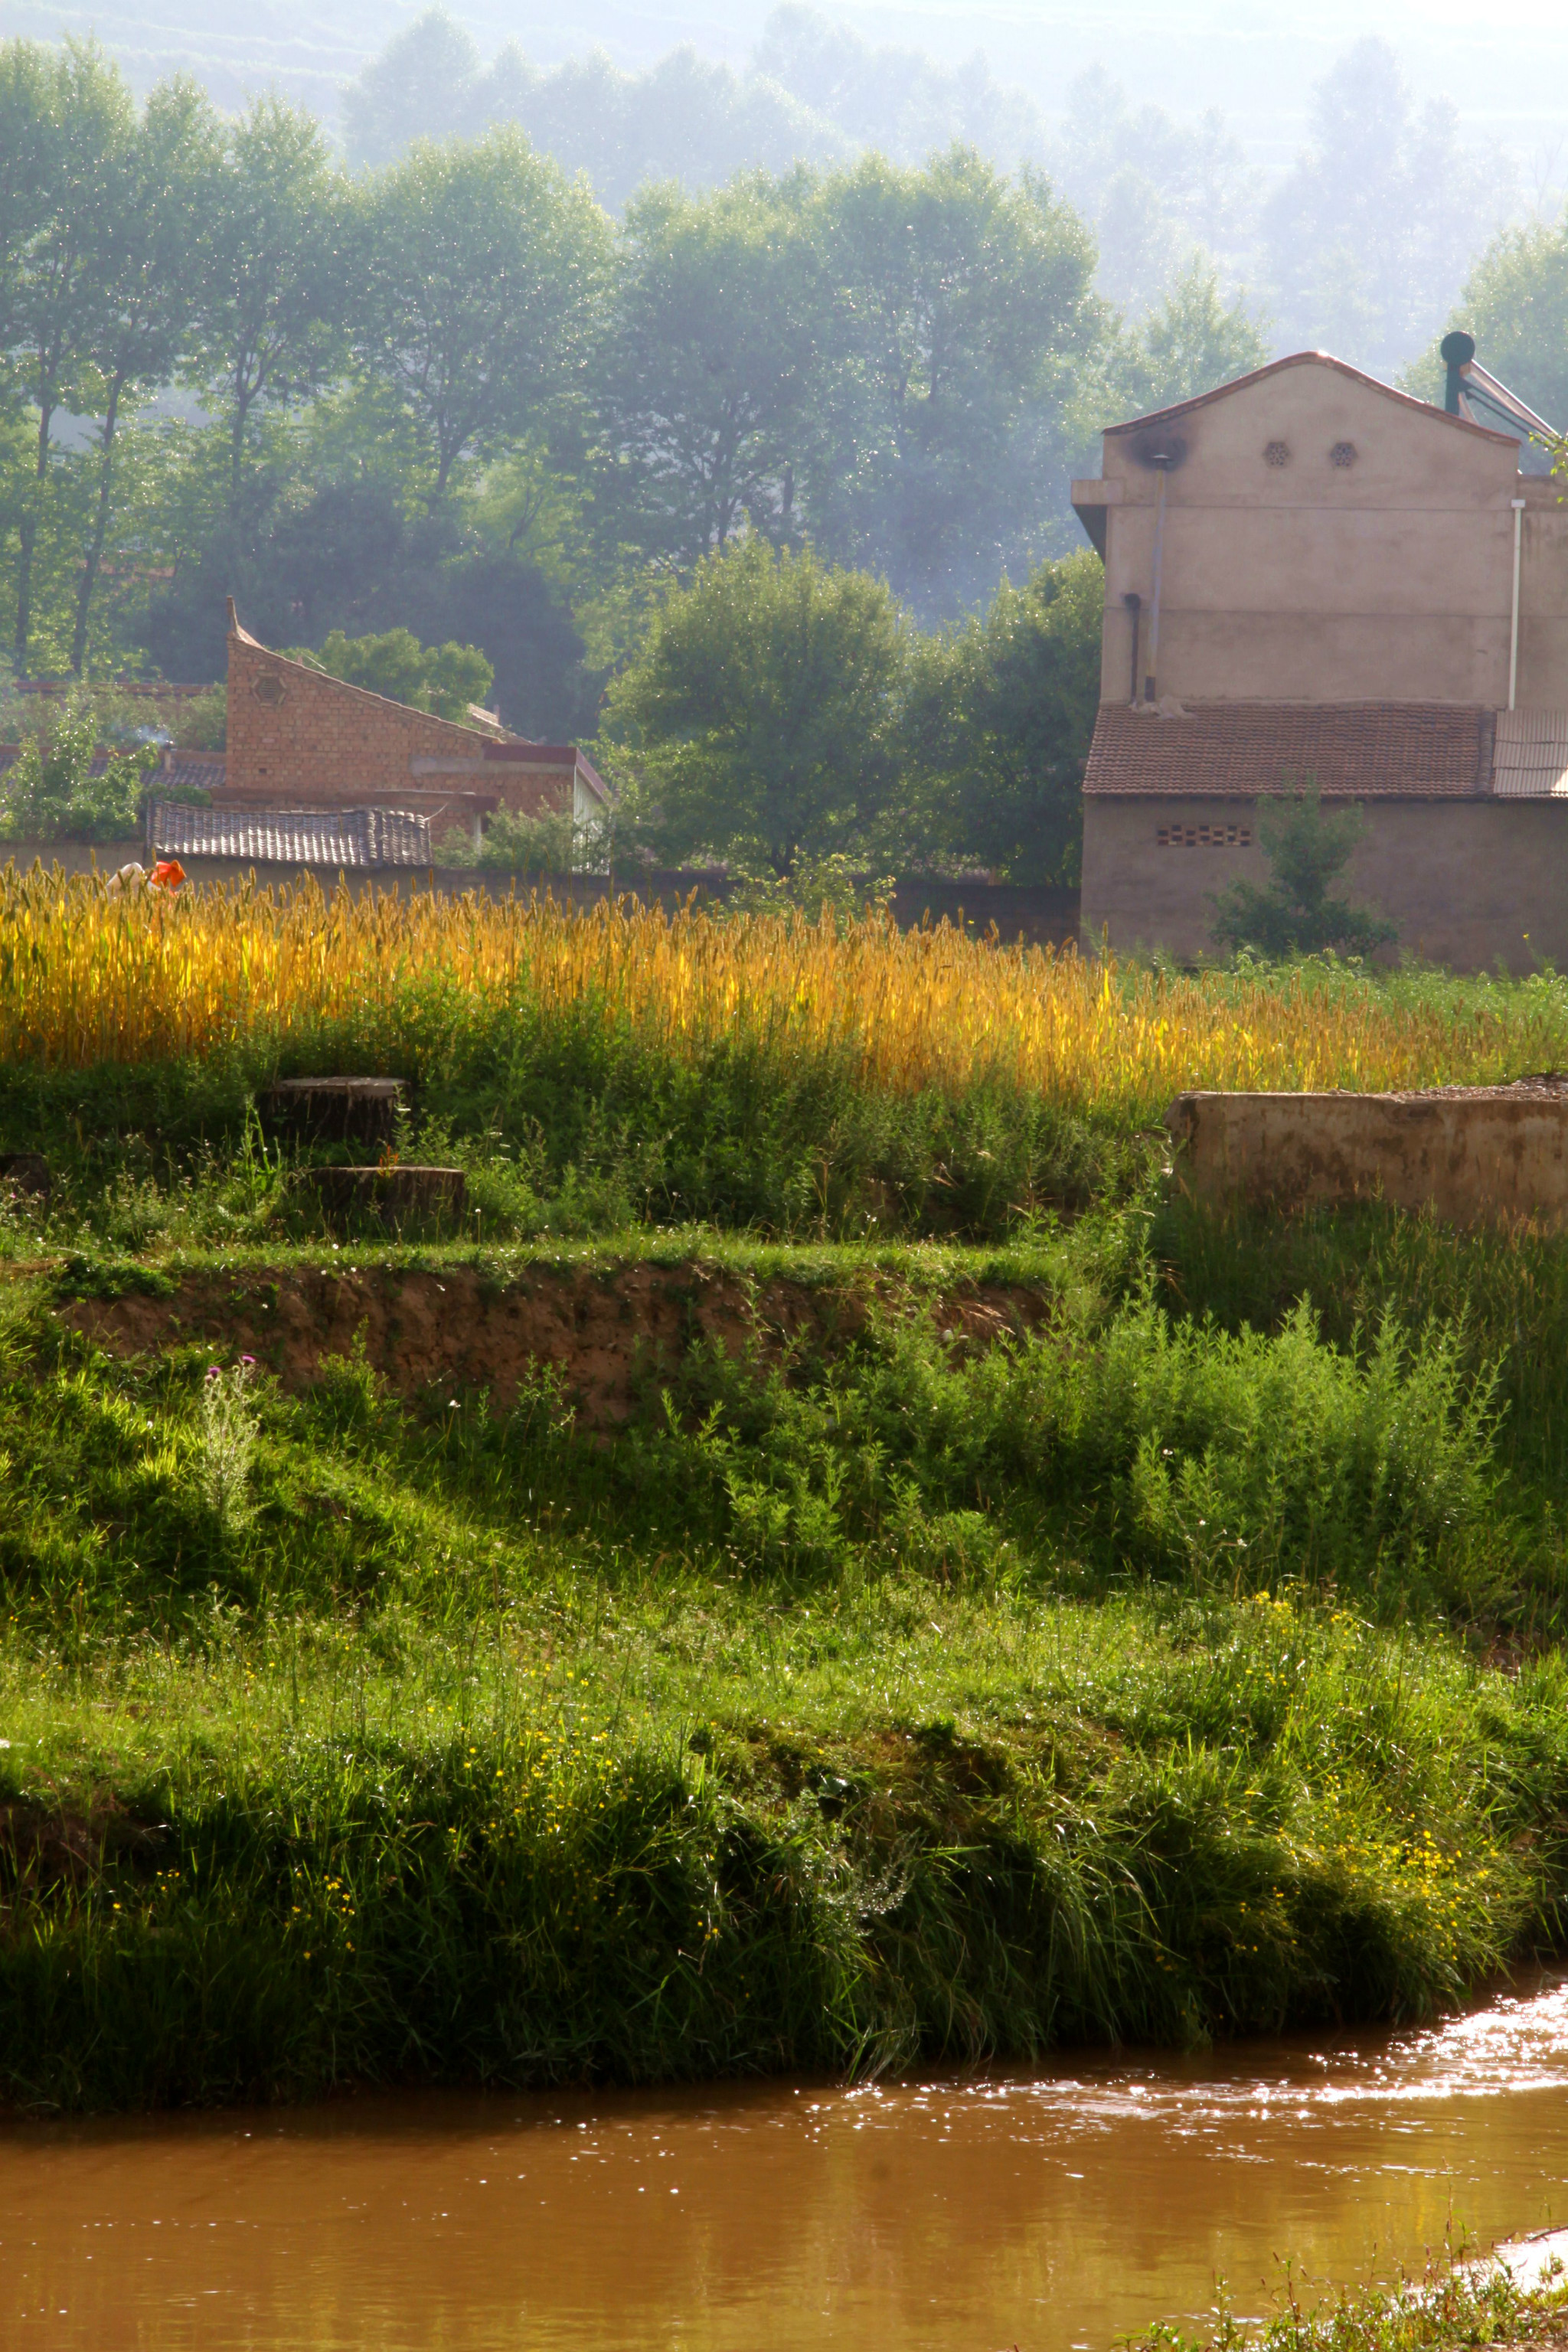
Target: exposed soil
42,1848
603,1328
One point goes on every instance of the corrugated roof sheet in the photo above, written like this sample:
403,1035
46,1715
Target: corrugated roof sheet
354,838
1419,749
1531,761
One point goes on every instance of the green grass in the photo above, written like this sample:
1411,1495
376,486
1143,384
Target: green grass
567,1130
1144,1679
1455,2307
1189,1666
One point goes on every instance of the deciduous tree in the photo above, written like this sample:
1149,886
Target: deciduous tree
760,719
142,287
964,303
67,124
712,363
276,270
997,726
483,266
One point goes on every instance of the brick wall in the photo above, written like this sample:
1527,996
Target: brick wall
299,738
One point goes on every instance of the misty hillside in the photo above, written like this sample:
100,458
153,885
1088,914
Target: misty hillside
1361,245
1255,62
1356,236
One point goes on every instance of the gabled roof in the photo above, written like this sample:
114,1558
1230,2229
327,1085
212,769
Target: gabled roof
352,838
1295,359
1422,750
481,735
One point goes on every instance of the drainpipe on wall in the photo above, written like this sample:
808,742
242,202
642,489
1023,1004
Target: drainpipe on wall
1150,683
1133,604
1518,505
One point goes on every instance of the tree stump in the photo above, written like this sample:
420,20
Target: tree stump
336,1110
387,1197
26,1171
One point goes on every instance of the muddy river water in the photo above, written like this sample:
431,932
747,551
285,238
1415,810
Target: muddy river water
1051,2211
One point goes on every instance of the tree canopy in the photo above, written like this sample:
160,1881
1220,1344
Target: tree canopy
760,719
449,680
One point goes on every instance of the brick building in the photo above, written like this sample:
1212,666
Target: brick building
300,740
1312,578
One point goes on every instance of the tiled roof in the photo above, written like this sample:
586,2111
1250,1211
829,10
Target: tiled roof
179,772
1420,749
1531,755
337,837
184,771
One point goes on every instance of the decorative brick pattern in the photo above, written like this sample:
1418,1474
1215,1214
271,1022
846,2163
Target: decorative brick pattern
1203,837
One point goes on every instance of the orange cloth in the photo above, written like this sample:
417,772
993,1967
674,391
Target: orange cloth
167,875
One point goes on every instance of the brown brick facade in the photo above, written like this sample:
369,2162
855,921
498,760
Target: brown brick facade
297,735
297,739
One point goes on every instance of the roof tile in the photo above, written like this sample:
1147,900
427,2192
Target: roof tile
353,837
1418,749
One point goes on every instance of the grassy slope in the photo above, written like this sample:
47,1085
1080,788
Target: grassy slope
1451,2309
1131,1681
1190,1666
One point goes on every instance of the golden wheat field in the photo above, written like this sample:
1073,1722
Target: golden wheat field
86,977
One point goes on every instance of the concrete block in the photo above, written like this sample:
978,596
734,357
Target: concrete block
1473,1155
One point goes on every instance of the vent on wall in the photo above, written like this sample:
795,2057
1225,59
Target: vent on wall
1203,836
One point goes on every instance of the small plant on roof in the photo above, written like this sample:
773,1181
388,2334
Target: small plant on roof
1296,914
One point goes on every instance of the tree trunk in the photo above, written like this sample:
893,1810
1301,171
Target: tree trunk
242,401
94,554
27,540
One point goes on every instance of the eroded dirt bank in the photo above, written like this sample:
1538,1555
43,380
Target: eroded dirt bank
603,1329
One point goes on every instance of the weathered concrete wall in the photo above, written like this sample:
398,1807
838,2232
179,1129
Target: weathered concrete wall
74,856
1473,1155
1471,883
1386,577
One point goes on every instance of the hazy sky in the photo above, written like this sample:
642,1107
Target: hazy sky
1256,63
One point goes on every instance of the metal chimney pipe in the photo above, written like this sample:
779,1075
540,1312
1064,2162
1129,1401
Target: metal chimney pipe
1518,505
1456,350
1152,683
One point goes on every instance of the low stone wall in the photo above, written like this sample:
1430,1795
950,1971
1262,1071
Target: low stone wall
1474,1155
74,856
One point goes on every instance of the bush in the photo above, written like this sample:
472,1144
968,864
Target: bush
1296,916
61,787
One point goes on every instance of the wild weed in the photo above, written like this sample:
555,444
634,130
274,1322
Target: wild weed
228,1433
